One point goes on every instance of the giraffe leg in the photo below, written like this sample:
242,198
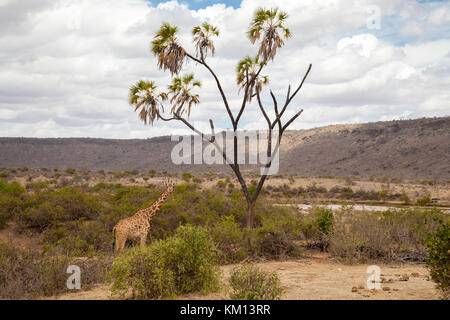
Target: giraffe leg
143,239
120,242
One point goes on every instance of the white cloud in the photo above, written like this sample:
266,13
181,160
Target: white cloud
66,65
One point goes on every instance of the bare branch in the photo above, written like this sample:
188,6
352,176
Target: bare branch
277,115
219,86
244,102
292,119
299,87
262,109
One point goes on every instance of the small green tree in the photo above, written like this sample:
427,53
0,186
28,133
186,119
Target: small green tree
438,245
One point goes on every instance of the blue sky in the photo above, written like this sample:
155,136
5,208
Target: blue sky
200,4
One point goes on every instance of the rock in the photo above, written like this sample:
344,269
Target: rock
404,277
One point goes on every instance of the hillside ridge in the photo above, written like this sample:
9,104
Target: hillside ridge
416,148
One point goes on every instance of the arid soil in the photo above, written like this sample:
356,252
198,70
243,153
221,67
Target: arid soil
319,277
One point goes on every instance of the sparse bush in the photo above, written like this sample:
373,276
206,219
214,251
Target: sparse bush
180,187
425,200
405,199
393,235
186,176
37,186
230,240
70,171
197,180
275,237
248,282
221,184
31,274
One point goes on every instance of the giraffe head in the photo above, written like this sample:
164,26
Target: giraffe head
169,184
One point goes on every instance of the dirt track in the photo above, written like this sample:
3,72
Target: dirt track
319,277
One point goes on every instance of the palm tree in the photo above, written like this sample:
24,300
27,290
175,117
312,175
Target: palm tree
165,46
202,39
145,96
268,23
180,89
247,68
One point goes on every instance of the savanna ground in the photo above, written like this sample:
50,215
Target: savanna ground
51,218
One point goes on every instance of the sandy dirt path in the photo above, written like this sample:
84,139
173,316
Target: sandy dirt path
319,277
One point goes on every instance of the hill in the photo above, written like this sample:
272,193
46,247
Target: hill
410,149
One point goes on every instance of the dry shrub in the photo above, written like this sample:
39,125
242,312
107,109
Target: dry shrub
229,239
393,235
248,282
32,274
275,237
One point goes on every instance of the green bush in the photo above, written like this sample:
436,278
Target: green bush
324,219
70,171
438,248
138,268
11,198
183,263
186,176
229,239
425,200
221,184
80,238
45,209
191,254
13,188
248,282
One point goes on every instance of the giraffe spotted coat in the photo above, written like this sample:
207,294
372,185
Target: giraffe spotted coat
138,225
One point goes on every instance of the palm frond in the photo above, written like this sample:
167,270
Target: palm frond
246,69
202,39
144,95
266,26
180,94
166,47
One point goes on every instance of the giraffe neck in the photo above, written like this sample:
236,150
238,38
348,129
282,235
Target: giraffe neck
151,211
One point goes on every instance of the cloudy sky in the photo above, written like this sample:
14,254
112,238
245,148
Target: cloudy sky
66,65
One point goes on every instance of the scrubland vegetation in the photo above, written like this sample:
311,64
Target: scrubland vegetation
196,231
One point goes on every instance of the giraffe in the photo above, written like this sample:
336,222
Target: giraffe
138,225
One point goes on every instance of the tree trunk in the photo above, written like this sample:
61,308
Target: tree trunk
250,215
